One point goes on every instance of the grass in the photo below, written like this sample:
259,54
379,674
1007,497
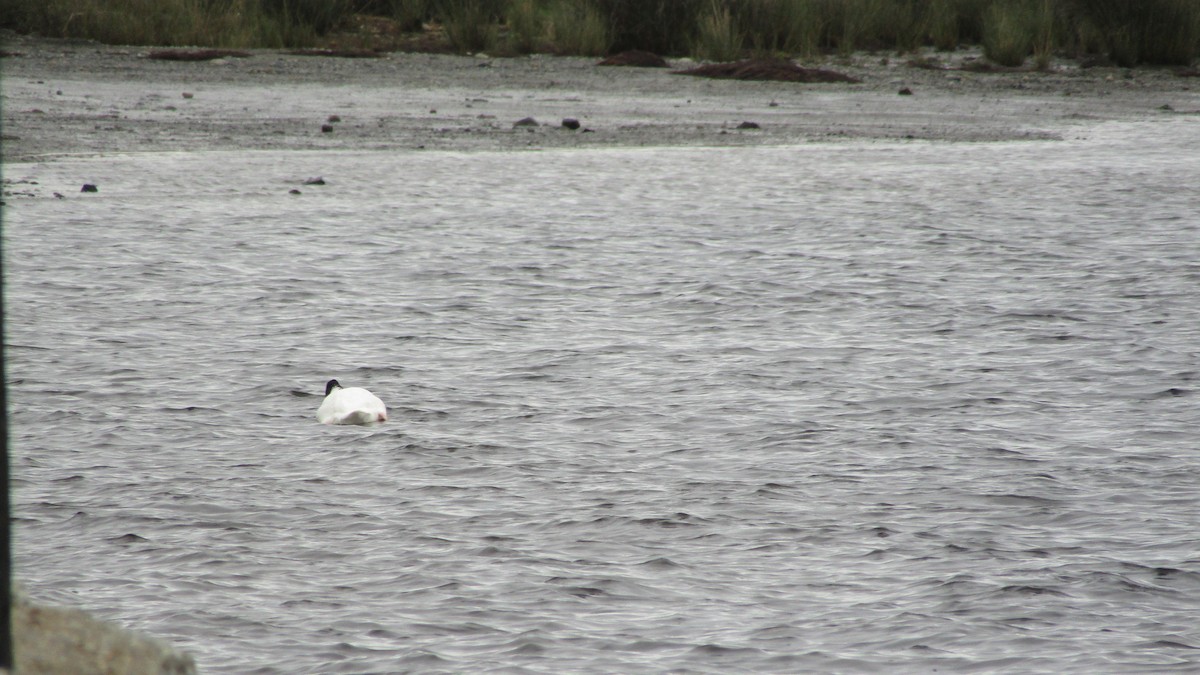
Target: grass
576,28
472,26
1008,33
526,26
1129,32
717,36
783,26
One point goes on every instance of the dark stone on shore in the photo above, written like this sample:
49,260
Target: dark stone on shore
333,118
294,191
637,59
905,92
196,54
570,123
88,187
749,125
326,128
526,122
187,94
767,69
317,180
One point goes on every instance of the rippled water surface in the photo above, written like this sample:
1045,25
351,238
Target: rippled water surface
854,407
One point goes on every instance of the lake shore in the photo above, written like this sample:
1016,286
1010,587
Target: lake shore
67,97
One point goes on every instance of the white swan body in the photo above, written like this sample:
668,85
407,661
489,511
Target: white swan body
351,405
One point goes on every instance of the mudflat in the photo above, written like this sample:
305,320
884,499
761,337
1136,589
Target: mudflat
66,97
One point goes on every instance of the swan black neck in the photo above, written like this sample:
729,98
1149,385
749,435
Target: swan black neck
331,385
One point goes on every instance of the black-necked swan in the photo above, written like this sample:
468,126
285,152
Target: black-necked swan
353,405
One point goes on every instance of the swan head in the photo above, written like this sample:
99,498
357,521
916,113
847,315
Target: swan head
331,385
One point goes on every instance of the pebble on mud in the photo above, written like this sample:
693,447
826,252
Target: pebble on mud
749,125
88,187
905,92
294,191
316,180
570,123
333,118
188,94
526,122
326,128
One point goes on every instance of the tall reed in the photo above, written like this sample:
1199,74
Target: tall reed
782,26
1146,31
471,26
1044,38
577,28
1008,32
659,26
1130,32
717,35
526,26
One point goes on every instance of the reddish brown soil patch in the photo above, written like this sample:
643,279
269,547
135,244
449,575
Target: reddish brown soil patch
636,58
767,69
196,54
343,53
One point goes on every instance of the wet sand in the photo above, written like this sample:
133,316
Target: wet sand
69,97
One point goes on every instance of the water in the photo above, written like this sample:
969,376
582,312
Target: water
848,407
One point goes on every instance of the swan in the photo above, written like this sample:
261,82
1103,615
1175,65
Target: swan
353,405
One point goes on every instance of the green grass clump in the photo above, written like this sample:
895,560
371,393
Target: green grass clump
472,26
659,26
782,26
526,26
1134,32
717,35
578,28
1008,32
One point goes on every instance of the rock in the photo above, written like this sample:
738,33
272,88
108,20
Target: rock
333,118
525,122
767,69
64,640
316,180
88,187
905,92
570,123
636,58
749,125
196,54
294,191
326,128
188,94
